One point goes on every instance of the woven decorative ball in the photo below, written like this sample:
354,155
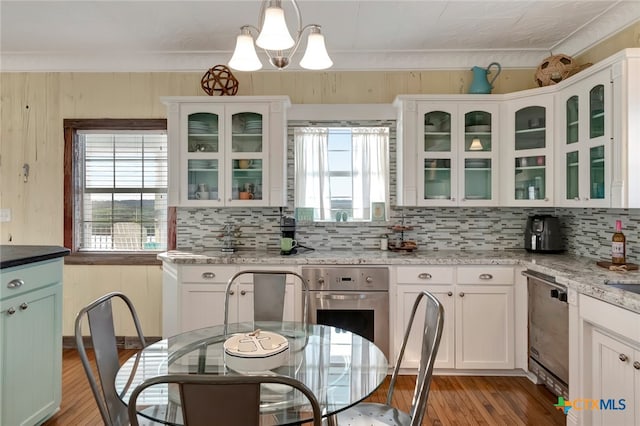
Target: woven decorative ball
554,69
219,81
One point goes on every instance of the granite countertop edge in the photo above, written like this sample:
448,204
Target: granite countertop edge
578,273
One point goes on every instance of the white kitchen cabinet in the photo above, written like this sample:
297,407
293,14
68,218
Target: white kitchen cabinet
447,151
30,342
194,296
608,361
227,152
527,140
478,302
584,136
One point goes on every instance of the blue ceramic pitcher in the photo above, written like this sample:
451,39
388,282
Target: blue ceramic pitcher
481,83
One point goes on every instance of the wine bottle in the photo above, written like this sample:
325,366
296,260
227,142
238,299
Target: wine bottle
618,243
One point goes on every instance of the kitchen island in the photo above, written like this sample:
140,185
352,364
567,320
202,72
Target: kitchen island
30,333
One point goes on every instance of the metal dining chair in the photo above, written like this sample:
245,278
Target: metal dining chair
268,295
372,414
223,400
102,335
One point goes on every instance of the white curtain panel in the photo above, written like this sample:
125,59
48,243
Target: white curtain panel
311,170
370,169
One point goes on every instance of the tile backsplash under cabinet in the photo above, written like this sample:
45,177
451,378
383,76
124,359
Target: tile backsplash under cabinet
588,231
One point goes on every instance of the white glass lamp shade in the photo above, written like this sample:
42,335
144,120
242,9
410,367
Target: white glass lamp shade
316,56
244,57
274,34
476,145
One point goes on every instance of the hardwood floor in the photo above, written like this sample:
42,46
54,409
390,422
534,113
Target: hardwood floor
453,400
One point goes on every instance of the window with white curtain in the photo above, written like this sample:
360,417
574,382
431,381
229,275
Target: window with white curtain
341,171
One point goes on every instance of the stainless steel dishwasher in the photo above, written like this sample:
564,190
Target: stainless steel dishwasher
351,298
548,332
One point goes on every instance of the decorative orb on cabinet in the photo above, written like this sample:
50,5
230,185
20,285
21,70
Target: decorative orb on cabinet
219,81
554,69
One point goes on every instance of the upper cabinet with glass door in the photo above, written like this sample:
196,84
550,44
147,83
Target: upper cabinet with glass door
584,135
227,151
529,149
452,159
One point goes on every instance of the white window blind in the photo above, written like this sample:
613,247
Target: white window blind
122,177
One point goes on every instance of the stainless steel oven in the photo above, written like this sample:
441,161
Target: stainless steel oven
351,298
548,332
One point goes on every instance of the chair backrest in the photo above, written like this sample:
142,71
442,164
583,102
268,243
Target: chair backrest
103,339
229,400
431,334
268,294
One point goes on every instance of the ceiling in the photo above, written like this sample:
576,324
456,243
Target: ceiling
360,35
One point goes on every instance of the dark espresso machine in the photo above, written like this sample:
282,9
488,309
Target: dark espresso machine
288,241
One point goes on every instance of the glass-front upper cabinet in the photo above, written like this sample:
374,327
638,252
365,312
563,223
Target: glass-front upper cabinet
228,152
528,163
457,154
585,142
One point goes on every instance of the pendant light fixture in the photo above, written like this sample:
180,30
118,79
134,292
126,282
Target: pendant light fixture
276,41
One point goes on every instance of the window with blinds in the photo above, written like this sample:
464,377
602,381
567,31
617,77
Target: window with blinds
121,198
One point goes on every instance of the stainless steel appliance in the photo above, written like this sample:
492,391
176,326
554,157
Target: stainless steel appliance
543,234
351,298
548,332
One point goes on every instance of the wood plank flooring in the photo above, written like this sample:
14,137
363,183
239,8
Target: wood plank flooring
453,400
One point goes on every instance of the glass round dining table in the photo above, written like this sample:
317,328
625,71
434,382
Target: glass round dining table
340,367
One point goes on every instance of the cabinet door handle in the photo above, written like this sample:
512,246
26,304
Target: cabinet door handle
462,294
486,277
15,283
243,292
623,357
11,311
424,276
208,275
636,365
450,294
23,306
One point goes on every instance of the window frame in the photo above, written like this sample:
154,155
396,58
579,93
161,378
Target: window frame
71,127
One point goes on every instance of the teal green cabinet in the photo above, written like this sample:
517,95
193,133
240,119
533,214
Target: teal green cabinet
30,342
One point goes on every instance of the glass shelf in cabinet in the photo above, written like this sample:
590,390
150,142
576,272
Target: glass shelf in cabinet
534,130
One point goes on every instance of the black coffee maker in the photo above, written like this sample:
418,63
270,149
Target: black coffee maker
288,235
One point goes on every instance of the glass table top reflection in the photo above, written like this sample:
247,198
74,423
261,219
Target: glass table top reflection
340,367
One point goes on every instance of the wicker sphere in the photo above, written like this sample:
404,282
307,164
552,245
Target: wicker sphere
219,81
554,69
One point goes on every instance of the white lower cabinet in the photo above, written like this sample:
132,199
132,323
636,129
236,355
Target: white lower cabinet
478,302
609,365
194,296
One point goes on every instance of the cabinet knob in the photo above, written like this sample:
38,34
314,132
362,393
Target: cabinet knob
15,283
208,275
231,292
546,199
486,277
464,199
623,357
369,279
424,276
450,294
243,292
11,311
576,199
453,198
462,294
23,306
636,365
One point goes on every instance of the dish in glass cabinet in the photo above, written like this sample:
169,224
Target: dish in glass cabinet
478,128
475,163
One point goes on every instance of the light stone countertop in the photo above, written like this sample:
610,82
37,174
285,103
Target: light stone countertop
579,273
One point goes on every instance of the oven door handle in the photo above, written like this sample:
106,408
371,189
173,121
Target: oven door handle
334,296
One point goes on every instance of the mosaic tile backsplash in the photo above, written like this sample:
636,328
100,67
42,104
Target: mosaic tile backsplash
588,231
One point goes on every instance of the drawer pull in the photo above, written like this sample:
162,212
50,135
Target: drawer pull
11,311
208,275
636,365
23,306
243,292
450,294
425,276
231,292
486,277
15,283
622,357
462,294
